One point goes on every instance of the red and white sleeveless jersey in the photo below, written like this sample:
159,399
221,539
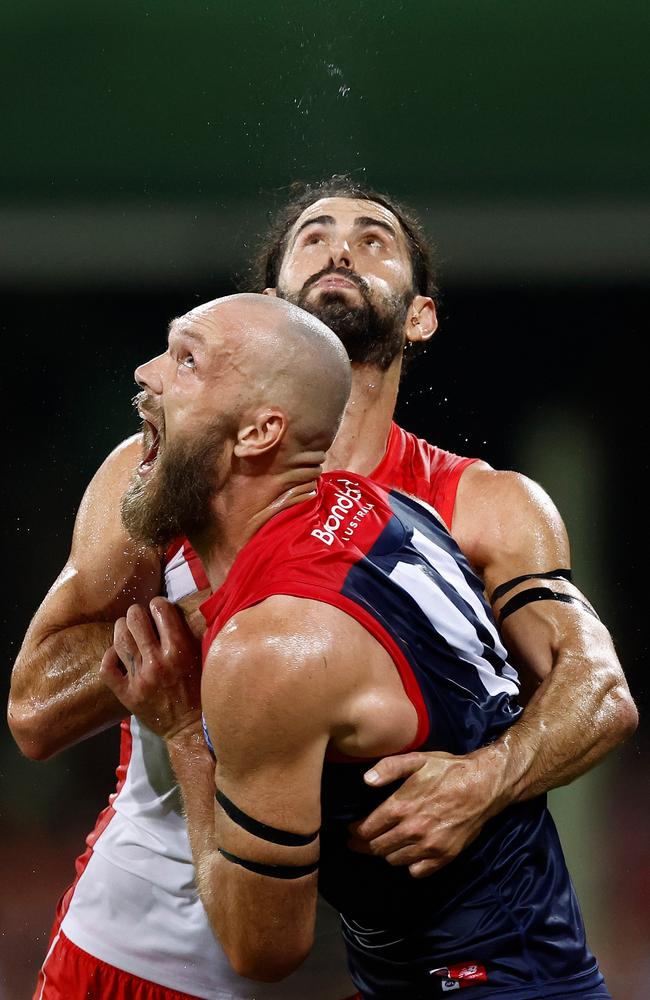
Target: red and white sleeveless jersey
134,903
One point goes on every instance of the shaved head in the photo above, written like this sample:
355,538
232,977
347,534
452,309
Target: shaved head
251,387
285,357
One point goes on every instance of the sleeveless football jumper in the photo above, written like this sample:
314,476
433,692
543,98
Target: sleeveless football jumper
502,918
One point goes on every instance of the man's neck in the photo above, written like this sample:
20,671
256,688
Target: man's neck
240,510
362,438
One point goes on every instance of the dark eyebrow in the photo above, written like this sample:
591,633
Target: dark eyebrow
362,221
319,220
367,220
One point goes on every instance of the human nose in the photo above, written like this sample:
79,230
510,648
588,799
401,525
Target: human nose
148,375
341,254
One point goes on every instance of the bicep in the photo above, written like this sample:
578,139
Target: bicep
270,736
545,632
515,537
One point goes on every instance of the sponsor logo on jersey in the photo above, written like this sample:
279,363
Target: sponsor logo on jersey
348,498
459,977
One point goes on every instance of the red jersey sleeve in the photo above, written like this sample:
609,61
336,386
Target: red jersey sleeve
414,466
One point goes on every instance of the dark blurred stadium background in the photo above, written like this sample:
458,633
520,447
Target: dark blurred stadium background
144,147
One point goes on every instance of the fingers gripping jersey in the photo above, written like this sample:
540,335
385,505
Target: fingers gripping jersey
505,908
134,904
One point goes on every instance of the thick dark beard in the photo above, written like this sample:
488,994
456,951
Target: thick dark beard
370,336
175,501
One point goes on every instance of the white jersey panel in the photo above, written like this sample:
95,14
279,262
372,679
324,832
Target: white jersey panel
449,620
179,581
136,905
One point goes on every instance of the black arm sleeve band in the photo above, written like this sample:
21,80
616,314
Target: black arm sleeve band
540,594
554,574
261,830
273,871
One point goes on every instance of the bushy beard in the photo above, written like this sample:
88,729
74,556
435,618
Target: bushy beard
370,336
175,500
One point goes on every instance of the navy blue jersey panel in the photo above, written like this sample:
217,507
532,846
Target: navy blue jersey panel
451,668
503,913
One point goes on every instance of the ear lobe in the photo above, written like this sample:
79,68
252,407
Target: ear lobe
261,436
273,292
422,320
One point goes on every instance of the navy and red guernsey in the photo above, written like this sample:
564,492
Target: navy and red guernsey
502,919
409,464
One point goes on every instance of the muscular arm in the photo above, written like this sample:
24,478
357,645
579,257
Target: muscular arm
269,702
57,697
271,732
578,703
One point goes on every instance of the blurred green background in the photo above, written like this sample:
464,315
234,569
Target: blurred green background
144,148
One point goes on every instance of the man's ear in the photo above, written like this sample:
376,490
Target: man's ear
261,435
422,320
271,291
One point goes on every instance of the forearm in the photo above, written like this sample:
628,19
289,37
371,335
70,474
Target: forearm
577,715
193,766
57,697
238,901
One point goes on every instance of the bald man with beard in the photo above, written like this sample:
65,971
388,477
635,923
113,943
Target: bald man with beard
344,624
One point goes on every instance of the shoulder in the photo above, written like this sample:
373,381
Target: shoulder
118,466
285,651
99,510
505,518
481,486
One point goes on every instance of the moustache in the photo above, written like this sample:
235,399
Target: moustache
342,272
148,408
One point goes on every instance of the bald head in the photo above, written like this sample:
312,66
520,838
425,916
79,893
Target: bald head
279,356
238,412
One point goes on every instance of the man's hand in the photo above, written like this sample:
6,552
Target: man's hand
438,810
154,668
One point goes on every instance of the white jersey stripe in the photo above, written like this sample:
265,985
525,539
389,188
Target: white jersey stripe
448,620
179,581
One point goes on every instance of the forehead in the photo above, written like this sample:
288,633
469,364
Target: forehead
202,327
345,212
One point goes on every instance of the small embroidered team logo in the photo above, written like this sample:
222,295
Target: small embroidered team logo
459,977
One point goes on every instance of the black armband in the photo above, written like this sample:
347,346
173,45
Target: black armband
272,871
540,594
262,830
554,574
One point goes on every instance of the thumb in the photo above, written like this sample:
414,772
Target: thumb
390,769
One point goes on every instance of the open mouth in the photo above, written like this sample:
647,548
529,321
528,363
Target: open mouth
150,446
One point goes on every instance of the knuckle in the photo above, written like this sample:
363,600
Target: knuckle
418,829
399,810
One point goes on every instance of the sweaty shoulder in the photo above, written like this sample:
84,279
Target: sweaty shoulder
277,648
423,470
122,460
99,507
506,524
